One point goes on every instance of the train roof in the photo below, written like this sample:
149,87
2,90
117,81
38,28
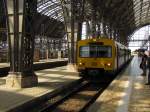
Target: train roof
97,39
121,45
106,39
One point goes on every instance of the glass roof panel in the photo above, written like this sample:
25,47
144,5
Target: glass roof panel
139,38
141,11
51,8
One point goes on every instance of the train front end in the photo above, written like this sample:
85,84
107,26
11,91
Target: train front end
95,56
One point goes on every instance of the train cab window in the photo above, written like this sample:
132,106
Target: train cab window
84,51
104,51
96,51
93,51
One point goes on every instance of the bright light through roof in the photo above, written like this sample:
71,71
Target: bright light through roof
51,8
139,36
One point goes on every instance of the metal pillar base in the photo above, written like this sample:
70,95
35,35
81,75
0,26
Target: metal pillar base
16,80
59,54
72,67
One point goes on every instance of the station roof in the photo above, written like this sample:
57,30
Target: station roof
124,15
49,27
51,19
51,8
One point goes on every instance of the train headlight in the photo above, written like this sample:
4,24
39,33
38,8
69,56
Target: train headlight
81,63
108,64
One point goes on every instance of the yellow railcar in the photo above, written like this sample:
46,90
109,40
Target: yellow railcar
95,56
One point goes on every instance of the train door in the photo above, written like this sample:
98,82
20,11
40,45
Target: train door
125,58
117,56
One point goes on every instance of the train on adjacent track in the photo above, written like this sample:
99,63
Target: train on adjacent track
96,56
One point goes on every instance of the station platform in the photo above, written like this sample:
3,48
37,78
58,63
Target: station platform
3,65
40,65
49,80
127,93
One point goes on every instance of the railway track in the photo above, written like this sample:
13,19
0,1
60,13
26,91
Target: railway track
75,99
79,101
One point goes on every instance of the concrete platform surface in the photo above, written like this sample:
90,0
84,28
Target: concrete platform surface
3,65
127,93
49,80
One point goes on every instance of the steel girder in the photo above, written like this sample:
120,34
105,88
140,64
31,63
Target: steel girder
3,21
125,16
73,17
49,26
21,17
53,10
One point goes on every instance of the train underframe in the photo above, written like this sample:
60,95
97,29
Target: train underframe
95,72
100,72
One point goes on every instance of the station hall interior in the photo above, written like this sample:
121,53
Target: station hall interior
74,55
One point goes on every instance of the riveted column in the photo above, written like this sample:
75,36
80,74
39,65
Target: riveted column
59,49
88,30
110,31
3,29
104,34
99,30
21,15
72,11
72,34
114,34
93,19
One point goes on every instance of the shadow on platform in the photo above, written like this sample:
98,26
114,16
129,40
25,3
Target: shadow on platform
9,100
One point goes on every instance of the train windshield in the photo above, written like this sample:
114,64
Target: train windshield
96,51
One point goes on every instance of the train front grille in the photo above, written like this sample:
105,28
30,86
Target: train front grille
94,64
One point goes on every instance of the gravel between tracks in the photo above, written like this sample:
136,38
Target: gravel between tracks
78,101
